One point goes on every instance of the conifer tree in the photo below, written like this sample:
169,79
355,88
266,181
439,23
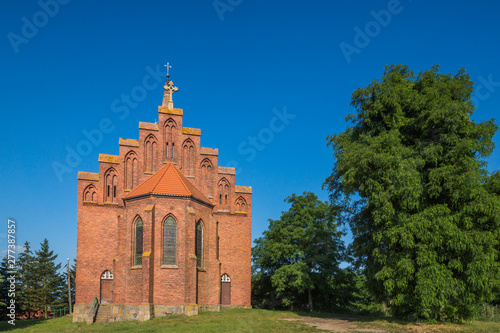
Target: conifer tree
28,277
50,283
4,286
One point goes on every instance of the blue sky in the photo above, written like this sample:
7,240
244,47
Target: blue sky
236,62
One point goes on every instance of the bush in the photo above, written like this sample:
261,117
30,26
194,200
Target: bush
488,312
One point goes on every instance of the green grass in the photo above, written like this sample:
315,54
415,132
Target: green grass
240,320
237,320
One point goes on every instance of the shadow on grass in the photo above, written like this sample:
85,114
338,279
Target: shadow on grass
354,317
19,324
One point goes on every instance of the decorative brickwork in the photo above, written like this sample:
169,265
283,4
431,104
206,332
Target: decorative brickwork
166,180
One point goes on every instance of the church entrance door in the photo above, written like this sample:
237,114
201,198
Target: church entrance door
106,287
225,292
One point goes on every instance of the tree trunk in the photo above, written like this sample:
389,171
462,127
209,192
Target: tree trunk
310,299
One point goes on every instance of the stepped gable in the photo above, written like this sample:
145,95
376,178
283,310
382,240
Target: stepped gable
168,181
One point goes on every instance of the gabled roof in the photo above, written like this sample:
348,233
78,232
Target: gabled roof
168,181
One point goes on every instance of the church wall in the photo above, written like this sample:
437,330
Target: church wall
106,226
235,254
97,238
175,115
132,283
208,276
172,282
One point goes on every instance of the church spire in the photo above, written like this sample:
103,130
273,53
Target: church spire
169,90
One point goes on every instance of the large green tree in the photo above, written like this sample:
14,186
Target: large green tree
298,253
410,172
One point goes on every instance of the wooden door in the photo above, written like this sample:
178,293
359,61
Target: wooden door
225,293
107,287
225,290
106,291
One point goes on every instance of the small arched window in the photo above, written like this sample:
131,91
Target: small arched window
90,194
241,204
138,237
199,244
169,241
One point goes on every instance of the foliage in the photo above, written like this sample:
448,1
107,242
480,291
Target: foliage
297,255
50,286
27,285
4,286
488,312
410,176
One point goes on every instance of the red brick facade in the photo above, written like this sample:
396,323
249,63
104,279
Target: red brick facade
111,201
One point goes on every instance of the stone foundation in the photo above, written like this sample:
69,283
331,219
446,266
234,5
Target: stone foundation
123,312
209,308
81,312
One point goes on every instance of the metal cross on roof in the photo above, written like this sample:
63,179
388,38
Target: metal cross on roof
168,69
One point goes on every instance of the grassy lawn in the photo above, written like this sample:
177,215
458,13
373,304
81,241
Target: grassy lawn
239,320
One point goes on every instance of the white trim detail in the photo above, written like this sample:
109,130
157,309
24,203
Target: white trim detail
107,276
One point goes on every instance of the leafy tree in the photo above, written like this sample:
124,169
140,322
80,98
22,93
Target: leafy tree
50,283
297,252
409,172
27,286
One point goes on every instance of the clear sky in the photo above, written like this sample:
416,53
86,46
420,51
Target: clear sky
67,65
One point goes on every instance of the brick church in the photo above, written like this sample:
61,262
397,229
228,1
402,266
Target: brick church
162,228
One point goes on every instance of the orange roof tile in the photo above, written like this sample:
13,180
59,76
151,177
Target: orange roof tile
168,181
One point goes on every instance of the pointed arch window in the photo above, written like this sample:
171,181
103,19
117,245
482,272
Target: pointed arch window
241,204
188,157
90,194
224,195
169,241
207,176
110,186
169,136
150,153
199,244
138,242
131,172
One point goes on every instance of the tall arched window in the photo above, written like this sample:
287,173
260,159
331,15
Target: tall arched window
188,157
199,244
110,186
169,138
223,192
138,237
169,241
150,153
131,171
206,172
